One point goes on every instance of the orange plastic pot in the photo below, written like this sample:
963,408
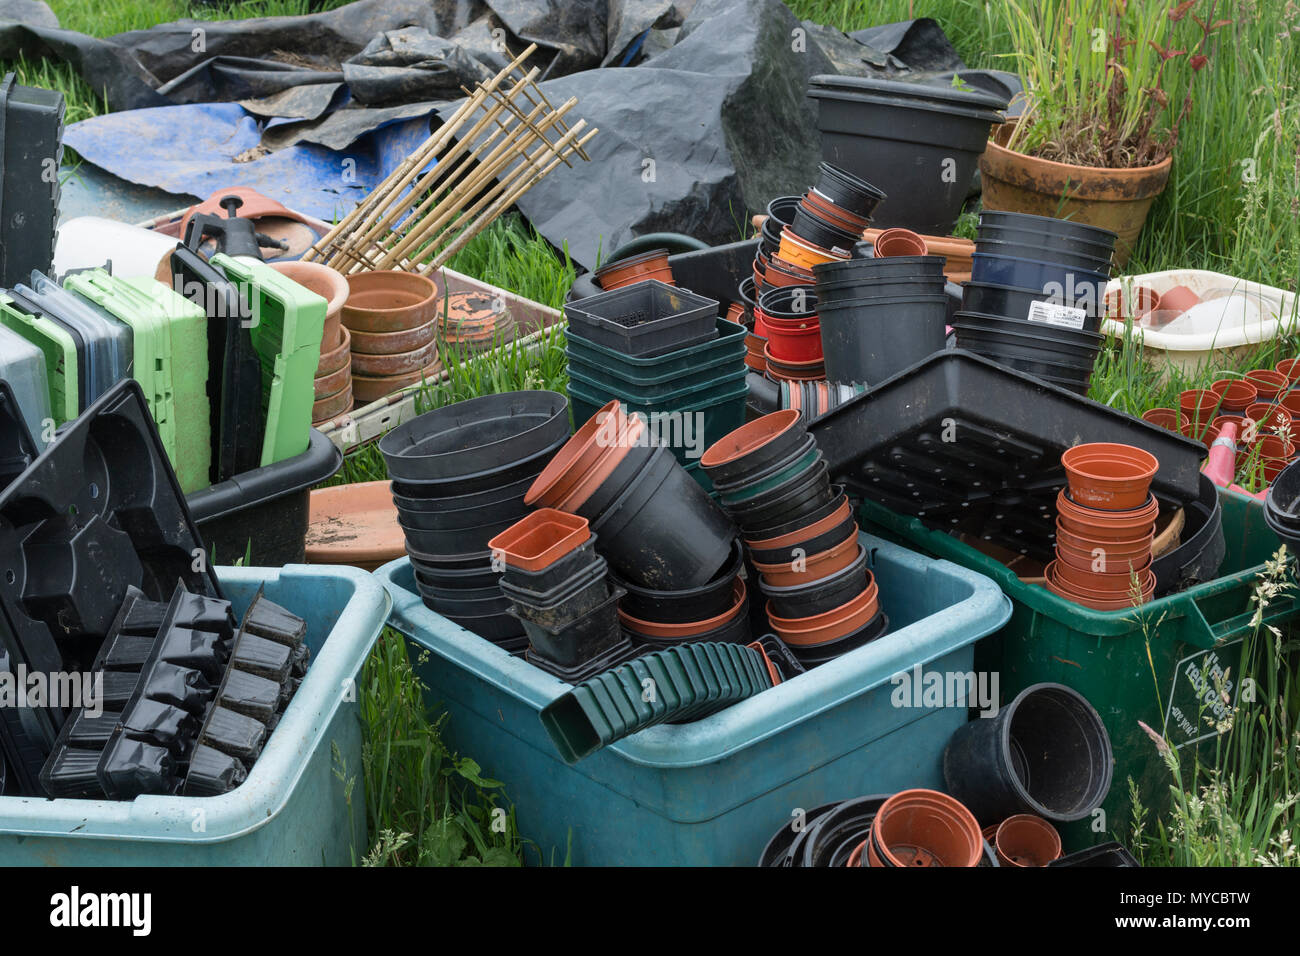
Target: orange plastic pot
1026,840
1079,567
812,370
1105,525
599,445
1200,405
1236,395
1122,549
855,858
1290,368
624,272
924,828
1108,475
1291,402
1267,382
815,566
630,437
689,628
354,524
538,540
899,242
803,253
830,625
832,520
749,438
814,201
1272,448
783,272
1168,418
1098,600
1267,416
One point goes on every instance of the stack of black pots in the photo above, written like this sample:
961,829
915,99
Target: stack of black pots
880,315
1036,296
1282,506
459,474
559,590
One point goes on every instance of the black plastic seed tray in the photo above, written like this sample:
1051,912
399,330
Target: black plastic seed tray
971,447
31,139
187,699
99,511
645,319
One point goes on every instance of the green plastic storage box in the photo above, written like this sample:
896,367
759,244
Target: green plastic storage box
1104,655
293,809
59,352
712,792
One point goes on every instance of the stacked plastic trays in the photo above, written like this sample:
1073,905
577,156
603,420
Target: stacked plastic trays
459,477
22,366
1036,296
664,353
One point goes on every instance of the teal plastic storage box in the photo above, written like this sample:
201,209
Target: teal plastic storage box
713,792
292,808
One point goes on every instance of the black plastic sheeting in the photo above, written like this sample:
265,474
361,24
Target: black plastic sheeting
711,123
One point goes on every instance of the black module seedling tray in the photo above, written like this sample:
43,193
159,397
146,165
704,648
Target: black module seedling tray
645,319
971,447
98,511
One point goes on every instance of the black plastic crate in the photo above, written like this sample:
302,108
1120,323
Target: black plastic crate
645,319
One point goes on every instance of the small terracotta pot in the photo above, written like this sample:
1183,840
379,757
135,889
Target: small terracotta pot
1098,557
1290,368
1098,600
736,445
1105,525
690,628
1178,300
815,202
736,313
1272,448
598,446
1236,395
899,242
1075,568
1026,840
1200,405
394,343
648,265
1121,547
848,618
1168,418
337,358
1268,417
332,406
327,283
1267,382
368,389
810,371
333,383
832,520
1109,476
815,566
538,540
956,252
1291,402
924,828
1144,301
401,363
389,301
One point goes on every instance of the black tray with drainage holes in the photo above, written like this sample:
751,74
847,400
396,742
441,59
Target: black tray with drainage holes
974,448
97,512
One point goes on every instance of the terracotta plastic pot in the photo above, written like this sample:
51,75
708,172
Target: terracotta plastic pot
327,283
1114,199
1098,600
855,858
338,357
1267,382
1291,402
1272,448
830,625
924,828
815,528
803,253
594,451
779,370
1167,418
1026,840
754,446
690,628
624,272
1268,417
389,301
956,253
1236,395
539,540
1109,476
1112,583
899,242
814,566
846,219
1290,368
1200,405
1105,525
780,272
1122,549
1178,300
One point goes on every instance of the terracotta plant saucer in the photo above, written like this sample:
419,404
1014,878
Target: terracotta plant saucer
354,524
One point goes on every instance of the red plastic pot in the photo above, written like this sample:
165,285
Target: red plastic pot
1026,840
1267,382
1290,368
1167,418
813,370
624,272
1200,405
538,540
830,625
1109,476
924,828
899,242
1236,395
798,340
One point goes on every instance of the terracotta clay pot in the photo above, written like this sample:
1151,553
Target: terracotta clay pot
367,389
333,383
389,301
327,283
1267,382
1178,300
1026,840
394,343
594,451
332,406
624,272
1200,405
1114,199
1168,418
1109,476
400,363
340,357
690,628
1236,395
924,828
831,625
538,540
899,242
1105,525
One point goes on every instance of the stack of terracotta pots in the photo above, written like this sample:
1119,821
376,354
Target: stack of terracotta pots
392,318
1105,527
334,372
472,322
624,272
800,536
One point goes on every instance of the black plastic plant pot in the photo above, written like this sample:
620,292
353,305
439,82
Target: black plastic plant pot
824,594
497,628
1045,333
831,275
760,475
433,587
554,574
460,606
736,630
789,302
1031,305
921,143
783,208
480,499
871,287
475,436
690,604
778,852
645,319
847,190
1029,347
836,834
1062,375
764,394
1046,228
453,542
664,531
1102,855
480,482
1028,251
785,446
571,599
582,638
812,229
814,545
814,655
1045,753
1032,274
466,520
1200,554
864,344
633,464
749,296
1078,368
620,652
804,495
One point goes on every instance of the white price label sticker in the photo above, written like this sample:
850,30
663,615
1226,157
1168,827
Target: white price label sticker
1053,314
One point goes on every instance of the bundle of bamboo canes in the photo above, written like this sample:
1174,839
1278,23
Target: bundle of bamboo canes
502,140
